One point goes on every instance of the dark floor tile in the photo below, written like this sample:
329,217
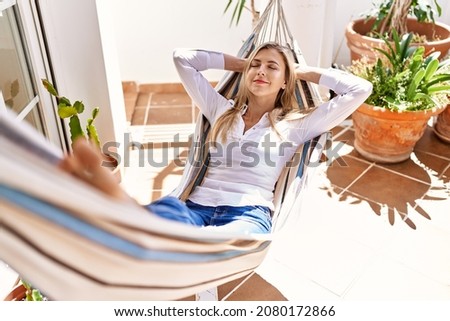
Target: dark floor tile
225,289
430,143
165,87
143,100
344,170
347,136
446,176
390,189
169,115
139,116
337,130
162,88
170,99
129,86
256,289
130,104
429,165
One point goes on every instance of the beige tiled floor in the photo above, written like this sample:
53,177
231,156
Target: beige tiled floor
366,230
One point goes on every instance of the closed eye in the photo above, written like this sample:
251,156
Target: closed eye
273,67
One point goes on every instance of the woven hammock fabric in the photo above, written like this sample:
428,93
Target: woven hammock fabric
74,243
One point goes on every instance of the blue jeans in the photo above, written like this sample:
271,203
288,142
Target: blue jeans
241,219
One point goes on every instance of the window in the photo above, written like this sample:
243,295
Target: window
22,65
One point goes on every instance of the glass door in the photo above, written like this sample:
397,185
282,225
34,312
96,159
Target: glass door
23,64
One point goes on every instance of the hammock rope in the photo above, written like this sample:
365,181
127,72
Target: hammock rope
271,27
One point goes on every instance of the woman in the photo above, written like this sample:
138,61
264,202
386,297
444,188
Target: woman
254,134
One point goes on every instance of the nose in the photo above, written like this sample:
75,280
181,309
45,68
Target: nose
261,71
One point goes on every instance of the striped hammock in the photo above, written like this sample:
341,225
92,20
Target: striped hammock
74,243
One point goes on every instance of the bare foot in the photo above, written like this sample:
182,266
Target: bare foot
85,163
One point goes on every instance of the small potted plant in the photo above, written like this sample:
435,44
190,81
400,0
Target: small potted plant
23,291
442,125
409,87
402,16
72,111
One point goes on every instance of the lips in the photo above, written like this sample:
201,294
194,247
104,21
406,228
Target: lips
260,81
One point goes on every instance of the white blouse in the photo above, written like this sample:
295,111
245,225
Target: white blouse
244,169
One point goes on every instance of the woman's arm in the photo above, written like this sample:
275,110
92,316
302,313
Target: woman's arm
233,63
310,74
189,64
351,91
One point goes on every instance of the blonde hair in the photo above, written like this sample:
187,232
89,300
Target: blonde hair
286,104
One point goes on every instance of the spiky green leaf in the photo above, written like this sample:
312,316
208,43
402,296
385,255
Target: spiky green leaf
79,106
91,129
443,89
431,67
417,78
64,101
438,8
437,79
95,112
93,134
404,45
75,128
49,87
36,295
66,111
237,12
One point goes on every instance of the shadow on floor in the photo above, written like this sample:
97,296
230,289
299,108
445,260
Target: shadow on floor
390,189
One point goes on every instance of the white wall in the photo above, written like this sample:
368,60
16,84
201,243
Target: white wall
311,23
148,31
83,53
346,10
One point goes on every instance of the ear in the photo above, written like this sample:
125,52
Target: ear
283,86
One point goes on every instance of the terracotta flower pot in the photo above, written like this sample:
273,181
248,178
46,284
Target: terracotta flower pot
385,136
361,45
442,125
18,293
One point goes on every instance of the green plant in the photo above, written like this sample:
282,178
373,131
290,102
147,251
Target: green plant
67,110
238,8
32,294
392,15
404,78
